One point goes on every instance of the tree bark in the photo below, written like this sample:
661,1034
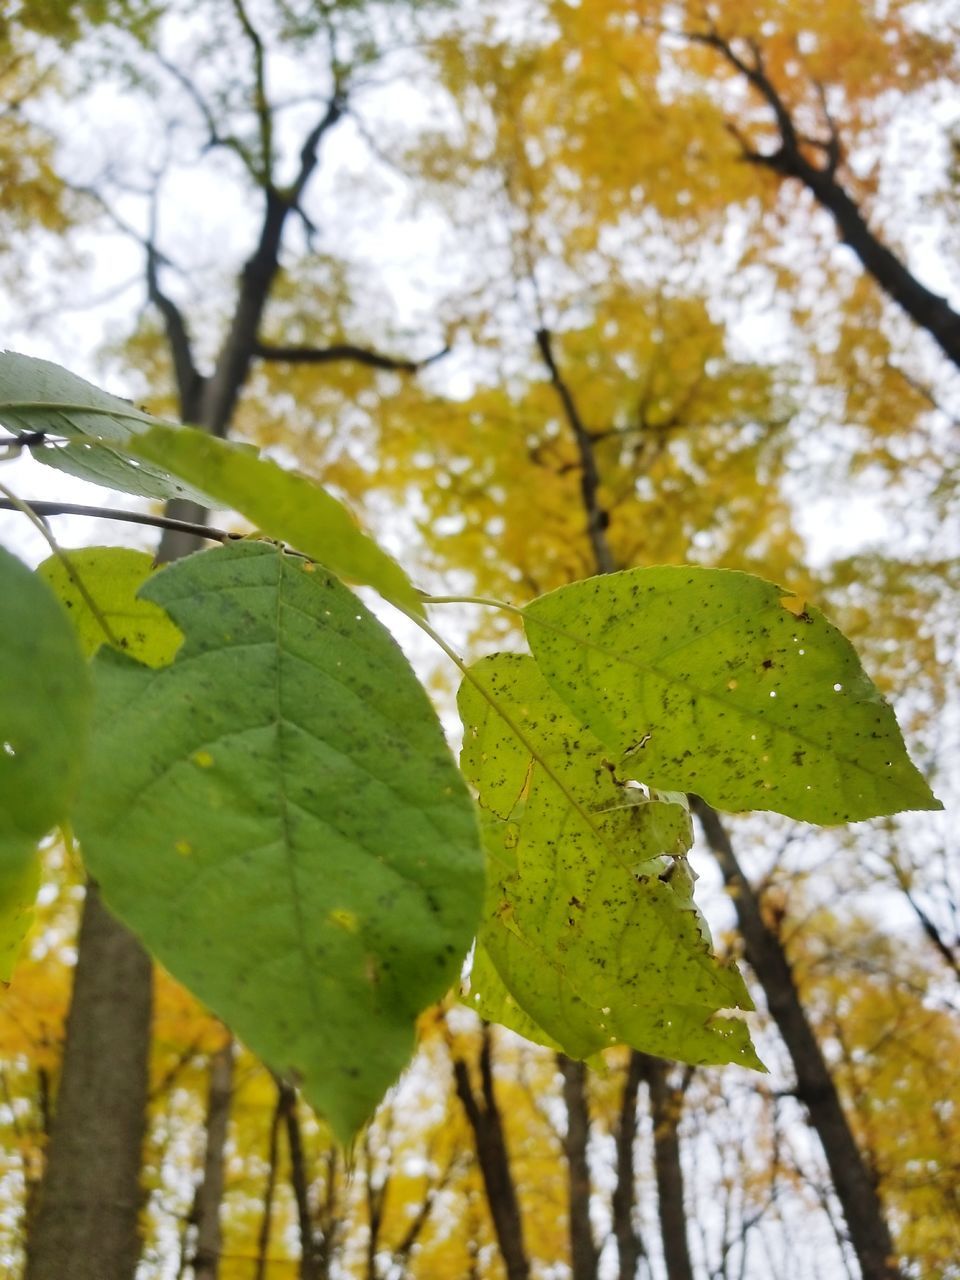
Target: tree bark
313,1264
927,309
855,1187
206,1261
486,1122
269,1191
87,1220
584,1255
629,1245
665,1108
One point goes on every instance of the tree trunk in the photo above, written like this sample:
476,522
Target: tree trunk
487,1125
855,1188
665,1107
584,1255
269,1191
206,1262
312,1265
629,1244
87,1221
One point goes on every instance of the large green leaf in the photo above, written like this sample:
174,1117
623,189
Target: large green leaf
44,715
112,576
717,682
277,815
589,921
89,426
283,504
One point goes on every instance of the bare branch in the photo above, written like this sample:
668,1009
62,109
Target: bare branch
597,518
188,378
128,517
261,102
929,310
215,138
311,144
344,351
949,953
831,148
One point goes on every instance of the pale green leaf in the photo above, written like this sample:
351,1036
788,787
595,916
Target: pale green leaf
719,683
112,577
89,427
109,466
588,923
489,997
283,504
44,715
277,815
19,884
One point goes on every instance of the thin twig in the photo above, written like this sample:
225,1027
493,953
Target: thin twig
112,513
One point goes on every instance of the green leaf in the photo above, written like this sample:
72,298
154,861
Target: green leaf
282,504
89,428
588,924
93,427
108,466
490,998
717,682
111,442
44,719
19,885
112,576
277,815
37,395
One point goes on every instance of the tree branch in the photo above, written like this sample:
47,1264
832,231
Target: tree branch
310,150
928,309
188,378
344,351
215,139
128,517
948,953
597,518
261,103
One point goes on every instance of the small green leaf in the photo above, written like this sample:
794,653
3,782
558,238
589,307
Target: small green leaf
112,577
717,682
19,885
91,428
278,816
282,504
44,719
588,924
